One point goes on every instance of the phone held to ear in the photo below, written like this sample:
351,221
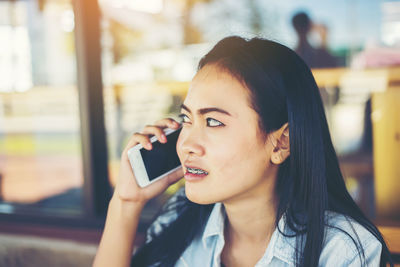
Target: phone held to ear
152,165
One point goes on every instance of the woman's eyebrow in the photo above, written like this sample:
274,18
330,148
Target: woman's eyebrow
203,111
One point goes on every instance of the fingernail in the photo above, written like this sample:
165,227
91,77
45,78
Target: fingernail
148,146
163,138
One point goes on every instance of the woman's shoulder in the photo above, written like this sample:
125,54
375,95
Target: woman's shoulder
346,240
344,227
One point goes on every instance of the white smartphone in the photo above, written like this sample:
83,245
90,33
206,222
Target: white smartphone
152,165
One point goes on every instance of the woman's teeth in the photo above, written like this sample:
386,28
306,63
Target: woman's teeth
196,171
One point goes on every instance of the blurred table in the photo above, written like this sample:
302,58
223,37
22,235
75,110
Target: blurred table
392,237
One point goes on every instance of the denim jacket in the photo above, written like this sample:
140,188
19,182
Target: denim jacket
338,248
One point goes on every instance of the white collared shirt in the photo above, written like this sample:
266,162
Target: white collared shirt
338,248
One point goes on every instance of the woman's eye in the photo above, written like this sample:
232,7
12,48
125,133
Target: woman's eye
210,121
213,123
184,118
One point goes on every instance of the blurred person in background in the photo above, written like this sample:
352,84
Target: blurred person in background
315,57
263,185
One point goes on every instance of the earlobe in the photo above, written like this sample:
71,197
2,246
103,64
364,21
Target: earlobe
279,157
275,159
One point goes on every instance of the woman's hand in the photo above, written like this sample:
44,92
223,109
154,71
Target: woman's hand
128,200
127,189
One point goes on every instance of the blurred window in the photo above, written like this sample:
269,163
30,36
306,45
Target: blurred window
149,52
40,145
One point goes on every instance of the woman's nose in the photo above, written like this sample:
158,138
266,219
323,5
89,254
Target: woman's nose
189,143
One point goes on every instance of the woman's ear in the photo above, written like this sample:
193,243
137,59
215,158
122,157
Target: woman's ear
281,143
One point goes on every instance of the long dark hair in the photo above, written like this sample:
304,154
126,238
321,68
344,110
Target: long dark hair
309,182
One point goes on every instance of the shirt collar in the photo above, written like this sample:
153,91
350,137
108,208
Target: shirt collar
284,246
215,225
280,246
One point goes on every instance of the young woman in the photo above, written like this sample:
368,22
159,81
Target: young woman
263,185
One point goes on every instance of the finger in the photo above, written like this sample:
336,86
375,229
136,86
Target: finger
155,130
162,184
138,138
175,176
172,177
168,122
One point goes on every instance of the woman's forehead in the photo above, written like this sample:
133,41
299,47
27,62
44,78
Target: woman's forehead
212,87
214,84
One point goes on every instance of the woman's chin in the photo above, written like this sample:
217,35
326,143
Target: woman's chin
198,197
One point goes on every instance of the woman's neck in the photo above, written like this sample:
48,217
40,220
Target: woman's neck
251,220
249,225
252,217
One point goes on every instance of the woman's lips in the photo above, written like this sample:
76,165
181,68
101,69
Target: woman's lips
194,177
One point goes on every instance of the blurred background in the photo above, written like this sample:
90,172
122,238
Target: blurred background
78,78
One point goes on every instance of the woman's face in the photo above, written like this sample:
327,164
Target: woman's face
221,136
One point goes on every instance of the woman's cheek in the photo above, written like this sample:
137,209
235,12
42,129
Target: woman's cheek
232,152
